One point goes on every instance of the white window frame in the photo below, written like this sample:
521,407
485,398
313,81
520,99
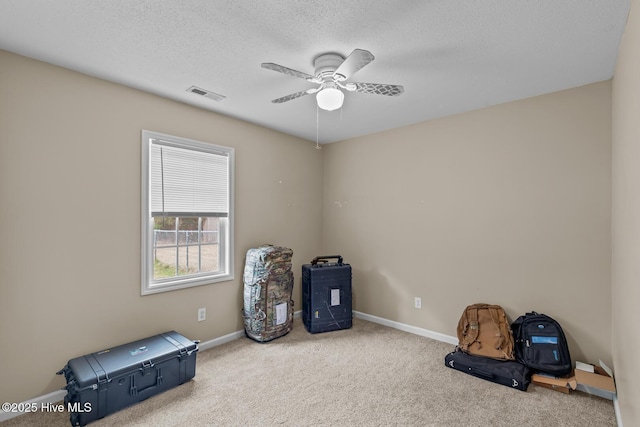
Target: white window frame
149,285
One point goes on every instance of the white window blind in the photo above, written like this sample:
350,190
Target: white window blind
188,182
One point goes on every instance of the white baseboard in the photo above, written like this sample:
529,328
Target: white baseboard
407,328
232,336
616,409
206,345
57,396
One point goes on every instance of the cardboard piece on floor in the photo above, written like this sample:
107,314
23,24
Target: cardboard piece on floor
561,384
599,382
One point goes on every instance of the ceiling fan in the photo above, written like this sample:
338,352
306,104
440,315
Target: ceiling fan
331,71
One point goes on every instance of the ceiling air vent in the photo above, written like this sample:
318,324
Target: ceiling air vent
206,93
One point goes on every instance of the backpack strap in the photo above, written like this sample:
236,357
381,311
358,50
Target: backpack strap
471,330
463,327
495,317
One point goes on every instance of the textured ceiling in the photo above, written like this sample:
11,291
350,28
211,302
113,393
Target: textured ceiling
451,56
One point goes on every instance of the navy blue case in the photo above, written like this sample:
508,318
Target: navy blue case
101,383
326,295
506,372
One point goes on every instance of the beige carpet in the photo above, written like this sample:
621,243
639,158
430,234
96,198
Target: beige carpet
369,375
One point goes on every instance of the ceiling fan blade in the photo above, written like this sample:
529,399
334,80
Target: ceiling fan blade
355,61
288,71
292,96
379,89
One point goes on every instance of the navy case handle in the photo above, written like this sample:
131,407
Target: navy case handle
325,258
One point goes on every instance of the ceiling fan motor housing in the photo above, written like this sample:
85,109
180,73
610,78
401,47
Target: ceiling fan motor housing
326,65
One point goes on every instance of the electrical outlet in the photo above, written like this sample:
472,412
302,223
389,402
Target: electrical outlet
202,314
418,302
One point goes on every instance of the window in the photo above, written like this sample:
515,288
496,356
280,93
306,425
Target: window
187,213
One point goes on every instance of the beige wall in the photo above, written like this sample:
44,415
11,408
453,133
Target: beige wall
508,205
70,218
625,219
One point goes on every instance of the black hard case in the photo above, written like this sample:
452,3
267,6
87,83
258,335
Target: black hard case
326,295
506,372
99,384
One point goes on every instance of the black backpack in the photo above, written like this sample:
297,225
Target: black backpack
540,344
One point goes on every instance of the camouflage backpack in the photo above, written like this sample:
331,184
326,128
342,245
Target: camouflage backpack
268,288
484,330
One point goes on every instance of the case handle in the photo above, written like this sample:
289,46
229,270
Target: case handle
325,258
483,374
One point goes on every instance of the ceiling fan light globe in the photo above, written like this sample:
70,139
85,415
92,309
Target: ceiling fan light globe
330,99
